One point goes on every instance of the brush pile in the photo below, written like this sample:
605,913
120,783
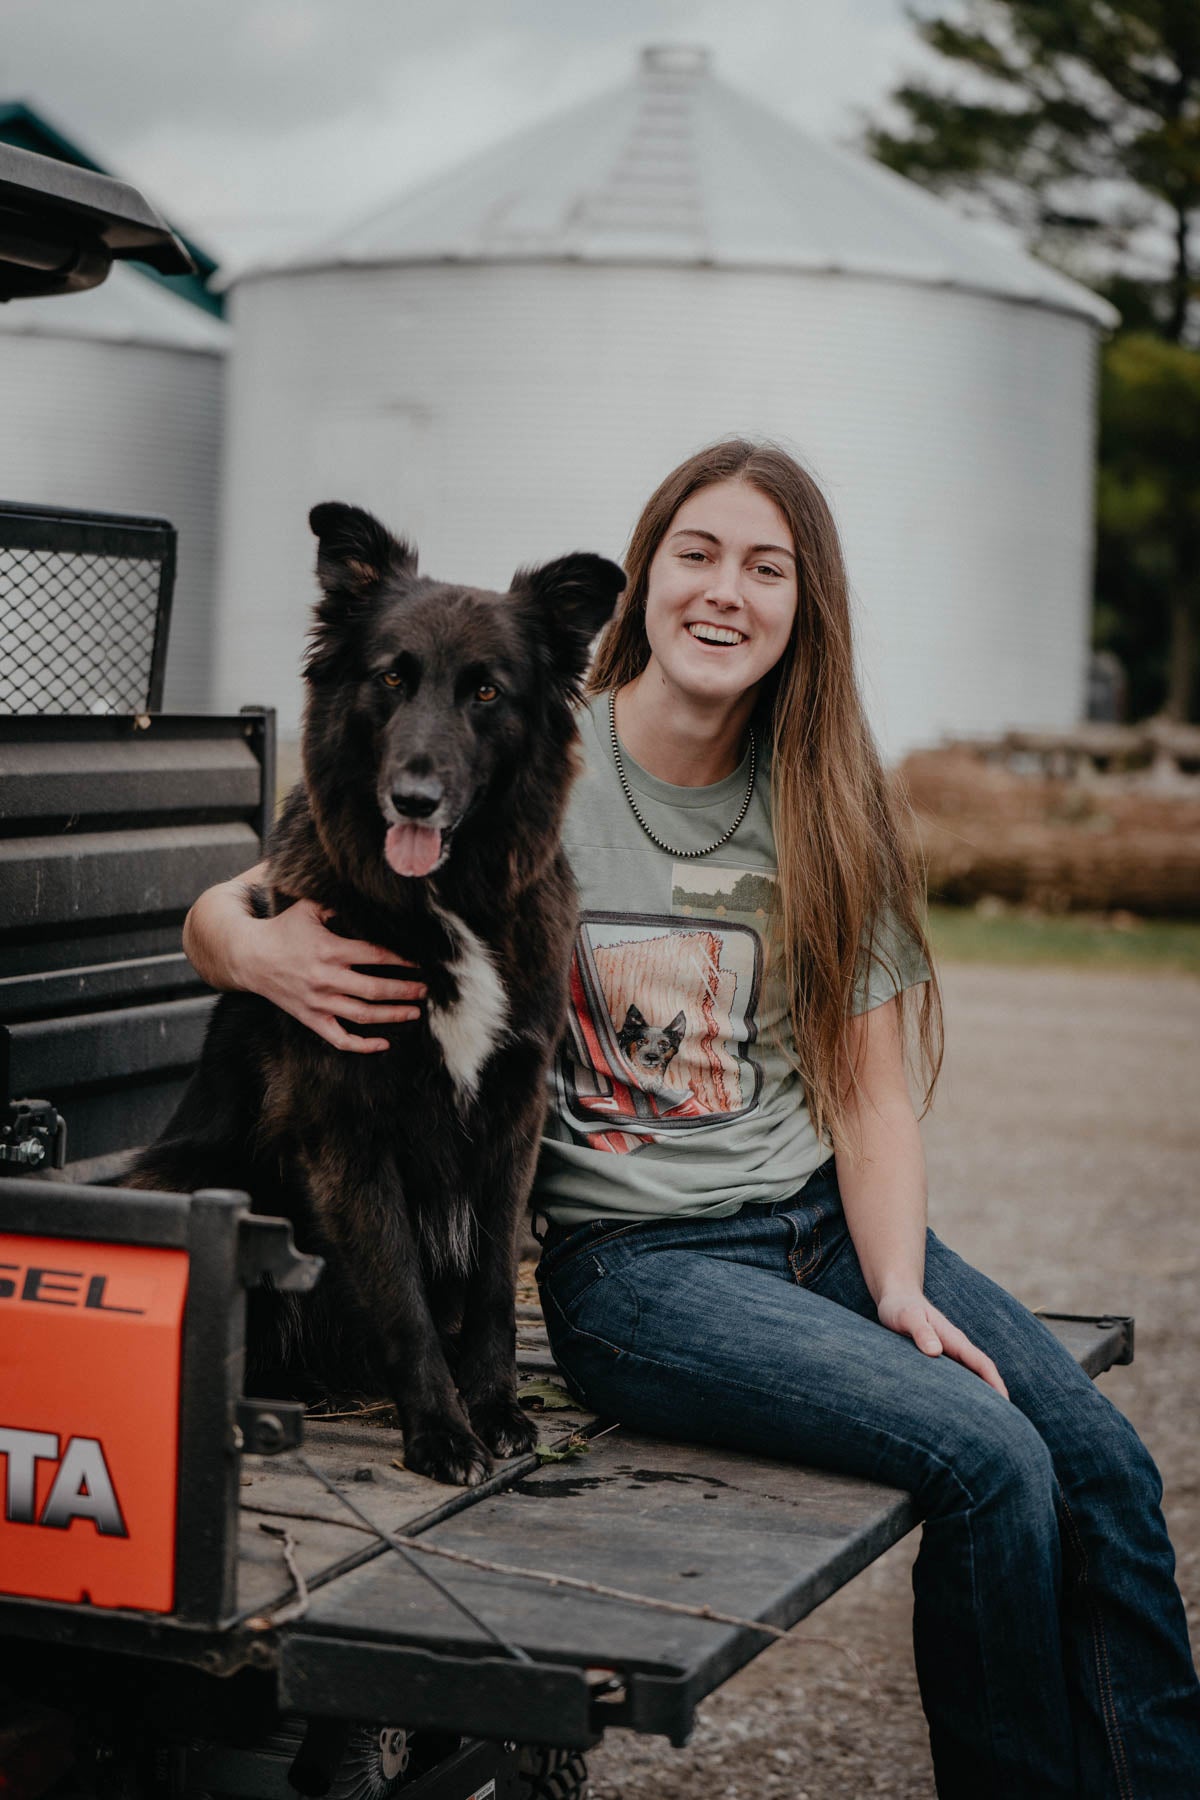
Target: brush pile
1103,819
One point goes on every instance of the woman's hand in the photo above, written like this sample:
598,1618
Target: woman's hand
296,963
931,1331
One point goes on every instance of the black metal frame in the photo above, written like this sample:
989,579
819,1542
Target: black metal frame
67,531
228,1250
255,723
260,733
64,963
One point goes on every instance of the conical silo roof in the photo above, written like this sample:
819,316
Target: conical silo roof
678,167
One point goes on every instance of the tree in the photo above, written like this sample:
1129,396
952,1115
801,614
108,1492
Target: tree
1078,121
1149,515
1081,126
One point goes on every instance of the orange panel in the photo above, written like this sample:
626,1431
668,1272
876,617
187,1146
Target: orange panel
90,1340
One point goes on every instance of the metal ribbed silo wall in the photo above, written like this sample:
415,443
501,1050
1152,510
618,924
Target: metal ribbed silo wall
130,428
502,413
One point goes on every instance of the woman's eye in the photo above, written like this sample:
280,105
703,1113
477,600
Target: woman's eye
486,692
391,679
693,555
766,569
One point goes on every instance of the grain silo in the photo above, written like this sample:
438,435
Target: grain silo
114,405
504,363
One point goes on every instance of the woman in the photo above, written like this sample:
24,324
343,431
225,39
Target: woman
733,1174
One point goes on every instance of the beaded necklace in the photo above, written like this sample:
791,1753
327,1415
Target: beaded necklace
685,855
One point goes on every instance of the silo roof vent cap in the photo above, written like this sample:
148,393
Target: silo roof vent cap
675,59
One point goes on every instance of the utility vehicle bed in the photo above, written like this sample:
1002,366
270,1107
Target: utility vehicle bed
763,1540
282,1562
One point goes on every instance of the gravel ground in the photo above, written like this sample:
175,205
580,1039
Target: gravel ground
1064,1159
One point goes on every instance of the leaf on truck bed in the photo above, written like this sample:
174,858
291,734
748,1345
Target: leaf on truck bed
565,1452
544,1394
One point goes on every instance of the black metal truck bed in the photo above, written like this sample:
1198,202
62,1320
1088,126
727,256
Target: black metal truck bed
353,1589
763,1540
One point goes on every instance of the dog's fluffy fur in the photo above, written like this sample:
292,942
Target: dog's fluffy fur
439,752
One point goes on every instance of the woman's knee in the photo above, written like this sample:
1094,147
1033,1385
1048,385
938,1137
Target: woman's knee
1096,1450
1001,1463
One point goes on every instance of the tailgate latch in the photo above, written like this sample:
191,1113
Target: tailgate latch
32,1136
269,1426
266,1249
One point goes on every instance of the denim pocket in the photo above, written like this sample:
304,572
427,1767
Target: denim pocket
585,1298
569,1281
804,1255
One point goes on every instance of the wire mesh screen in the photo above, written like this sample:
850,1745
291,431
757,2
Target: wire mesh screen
84,610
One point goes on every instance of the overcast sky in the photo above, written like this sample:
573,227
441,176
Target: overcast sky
258,123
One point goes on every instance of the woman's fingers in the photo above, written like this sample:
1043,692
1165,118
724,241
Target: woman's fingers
329,1028
914,1322
308,971
932,1333
959,1346
369,1000
377,989
343,1006
354,950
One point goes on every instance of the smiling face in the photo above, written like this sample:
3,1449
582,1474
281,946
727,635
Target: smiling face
721,594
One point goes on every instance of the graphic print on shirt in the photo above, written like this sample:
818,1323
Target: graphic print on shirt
663,1014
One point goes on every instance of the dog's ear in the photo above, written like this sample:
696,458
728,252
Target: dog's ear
355,552
355,555
570,600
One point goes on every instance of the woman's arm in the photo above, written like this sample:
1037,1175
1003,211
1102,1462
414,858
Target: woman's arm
293,961
881,1174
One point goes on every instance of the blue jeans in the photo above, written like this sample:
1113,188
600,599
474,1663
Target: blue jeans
1051,1646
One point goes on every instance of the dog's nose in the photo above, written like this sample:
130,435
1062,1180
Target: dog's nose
417,799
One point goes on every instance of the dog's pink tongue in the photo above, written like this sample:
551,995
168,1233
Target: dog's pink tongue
412,849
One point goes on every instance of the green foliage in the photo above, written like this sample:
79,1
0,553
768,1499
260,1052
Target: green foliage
750,893
1148,512
1152,946
568,1451
1078,121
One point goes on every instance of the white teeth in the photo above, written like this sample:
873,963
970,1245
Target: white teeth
716,634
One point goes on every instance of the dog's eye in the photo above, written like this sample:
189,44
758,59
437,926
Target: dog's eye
391,679
486,692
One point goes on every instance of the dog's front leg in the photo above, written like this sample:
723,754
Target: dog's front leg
362,1211
487,1361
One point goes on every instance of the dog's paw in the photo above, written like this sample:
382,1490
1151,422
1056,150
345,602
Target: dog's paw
447,1453
502,1425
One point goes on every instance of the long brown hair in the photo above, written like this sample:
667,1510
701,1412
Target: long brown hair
848,880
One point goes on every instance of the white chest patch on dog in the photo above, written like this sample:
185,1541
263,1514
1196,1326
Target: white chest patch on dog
470,1029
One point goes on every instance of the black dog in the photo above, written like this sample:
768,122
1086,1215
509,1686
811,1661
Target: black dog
439,751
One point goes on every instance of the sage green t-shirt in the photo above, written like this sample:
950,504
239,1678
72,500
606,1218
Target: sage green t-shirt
671,1094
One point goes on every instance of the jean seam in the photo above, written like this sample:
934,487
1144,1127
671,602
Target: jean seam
1112,1729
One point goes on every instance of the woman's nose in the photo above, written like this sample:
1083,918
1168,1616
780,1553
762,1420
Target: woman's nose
723,588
